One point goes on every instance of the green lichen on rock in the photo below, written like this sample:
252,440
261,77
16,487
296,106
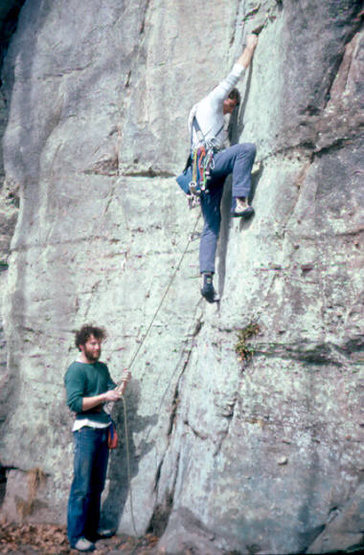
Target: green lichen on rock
242,348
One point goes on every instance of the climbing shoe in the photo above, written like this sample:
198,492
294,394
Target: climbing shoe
208,291
83,544
242,209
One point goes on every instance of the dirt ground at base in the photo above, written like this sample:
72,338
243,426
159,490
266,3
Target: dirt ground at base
29,539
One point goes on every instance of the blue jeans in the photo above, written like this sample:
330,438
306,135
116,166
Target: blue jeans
89,474
237,160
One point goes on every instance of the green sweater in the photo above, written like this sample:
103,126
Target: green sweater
87,380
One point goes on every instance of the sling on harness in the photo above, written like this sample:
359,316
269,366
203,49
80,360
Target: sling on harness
202,161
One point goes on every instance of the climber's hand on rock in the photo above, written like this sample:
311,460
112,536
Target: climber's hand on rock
251,41
248,52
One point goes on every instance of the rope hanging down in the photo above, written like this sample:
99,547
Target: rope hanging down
132,362
128,469
164,294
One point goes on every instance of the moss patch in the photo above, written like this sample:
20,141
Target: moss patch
242,348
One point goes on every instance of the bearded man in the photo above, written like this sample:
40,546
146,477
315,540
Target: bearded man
88,387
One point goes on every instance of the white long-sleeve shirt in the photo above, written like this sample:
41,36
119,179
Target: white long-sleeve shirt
209,111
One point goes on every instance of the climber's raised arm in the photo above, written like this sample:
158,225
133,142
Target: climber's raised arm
247,54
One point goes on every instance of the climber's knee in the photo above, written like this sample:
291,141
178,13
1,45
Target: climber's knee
250,149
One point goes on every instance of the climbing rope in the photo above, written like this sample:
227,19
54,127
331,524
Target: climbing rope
164,294
133,360
128,469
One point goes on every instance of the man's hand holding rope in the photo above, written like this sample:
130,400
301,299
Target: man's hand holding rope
125,378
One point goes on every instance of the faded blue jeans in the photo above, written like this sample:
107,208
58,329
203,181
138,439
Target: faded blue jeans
89,475
236,160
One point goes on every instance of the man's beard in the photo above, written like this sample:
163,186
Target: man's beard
91,356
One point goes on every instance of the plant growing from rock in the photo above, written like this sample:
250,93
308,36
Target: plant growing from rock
242,348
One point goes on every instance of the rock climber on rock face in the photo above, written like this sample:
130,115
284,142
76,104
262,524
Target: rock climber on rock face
210,157
88,387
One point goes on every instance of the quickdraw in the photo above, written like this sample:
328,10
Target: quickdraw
202,161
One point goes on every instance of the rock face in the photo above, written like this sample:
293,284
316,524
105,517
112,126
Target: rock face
243,418
9,11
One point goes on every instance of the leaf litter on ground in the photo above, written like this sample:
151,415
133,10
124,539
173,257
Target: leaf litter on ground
48,539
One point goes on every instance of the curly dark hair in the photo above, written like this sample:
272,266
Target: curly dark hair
235,95
85,333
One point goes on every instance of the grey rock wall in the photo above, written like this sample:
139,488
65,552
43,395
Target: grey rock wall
253,455
9,201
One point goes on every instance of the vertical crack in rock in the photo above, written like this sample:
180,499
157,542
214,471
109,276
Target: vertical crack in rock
160,517
175,403
144,17
162,511
236,24
186,356
350,35
299,182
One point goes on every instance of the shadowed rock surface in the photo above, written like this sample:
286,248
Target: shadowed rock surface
238,441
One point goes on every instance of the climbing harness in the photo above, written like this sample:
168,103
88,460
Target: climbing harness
202,161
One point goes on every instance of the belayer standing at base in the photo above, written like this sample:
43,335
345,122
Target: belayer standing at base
210,163
88,387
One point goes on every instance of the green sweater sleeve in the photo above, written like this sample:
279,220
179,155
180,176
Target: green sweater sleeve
75,382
